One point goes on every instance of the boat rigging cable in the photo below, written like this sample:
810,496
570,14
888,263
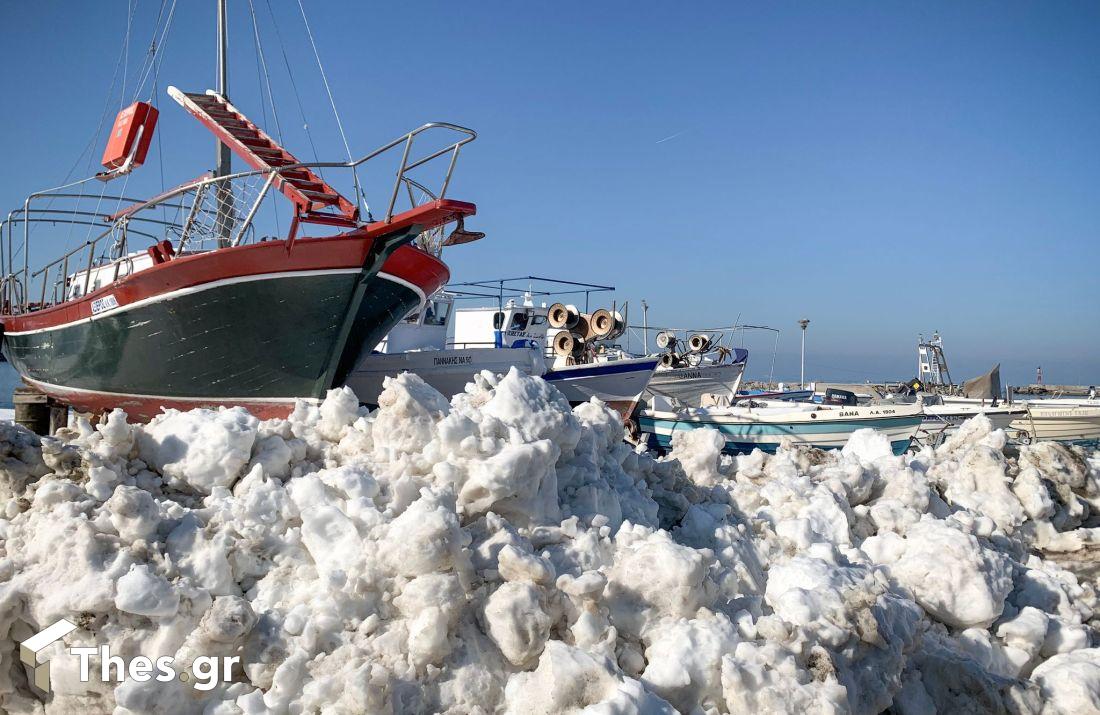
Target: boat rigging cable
263,75
154,58
263,78
131,11
332,102
88,149
131,8
150,68
294,87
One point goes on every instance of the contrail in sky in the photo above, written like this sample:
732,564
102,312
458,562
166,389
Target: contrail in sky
669,138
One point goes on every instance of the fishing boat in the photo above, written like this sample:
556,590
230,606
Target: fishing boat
697,363
419,345
944,414
749,426
184,300
1067,420
582,359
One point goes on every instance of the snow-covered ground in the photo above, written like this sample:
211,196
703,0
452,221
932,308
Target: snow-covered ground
500,552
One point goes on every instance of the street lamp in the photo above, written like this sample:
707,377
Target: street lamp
802,378
645,327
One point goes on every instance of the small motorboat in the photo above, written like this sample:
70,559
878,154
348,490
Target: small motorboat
419,345
746,427
1071,424
697,365
1067,420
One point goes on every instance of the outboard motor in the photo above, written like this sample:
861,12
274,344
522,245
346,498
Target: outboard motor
843,398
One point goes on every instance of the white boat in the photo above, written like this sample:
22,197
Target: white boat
953,415
1069,420
687,385
419,345
747,427
697,363
618,382
1072,424
592,365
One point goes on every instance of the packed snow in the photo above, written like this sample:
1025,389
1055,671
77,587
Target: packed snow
499,552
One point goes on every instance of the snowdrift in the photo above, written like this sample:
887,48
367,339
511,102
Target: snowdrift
500,552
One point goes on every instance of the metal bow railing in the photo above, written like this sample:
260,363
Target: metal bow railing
191,217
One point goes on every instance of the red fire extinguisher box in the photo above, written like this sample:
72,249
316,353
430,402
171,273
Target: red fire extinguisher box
133,124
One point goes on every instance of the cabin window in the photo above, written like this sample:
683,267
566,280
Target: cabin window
519,321
436,313
498,320
538,319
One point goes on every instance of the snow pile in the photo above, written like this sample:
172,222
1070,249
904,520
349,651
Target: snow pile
500,552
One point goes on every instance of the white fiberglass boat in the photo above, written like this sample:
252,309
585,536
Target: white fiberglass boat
953,415
687,385
697,362
745,428
419,345
1069,420
1072,424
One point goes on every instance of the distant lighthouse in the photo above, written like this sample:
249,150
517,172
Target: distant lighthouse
1039,375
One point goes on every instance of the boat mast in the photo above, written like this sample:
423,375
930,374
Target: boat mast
224,165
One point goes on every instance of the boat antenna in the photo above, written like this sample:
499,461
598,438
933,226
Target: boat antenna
224,164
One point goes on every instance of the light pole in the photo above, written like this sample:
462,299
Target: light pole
645,327
802,377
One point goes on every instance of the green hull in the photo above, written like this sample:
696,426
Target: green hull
273,337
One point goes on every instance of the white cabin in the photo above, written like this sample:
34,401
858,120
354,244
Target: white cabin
513,326
425,328
106,274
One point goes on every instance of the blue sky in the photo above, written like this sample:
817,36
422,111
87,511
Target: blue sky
883,169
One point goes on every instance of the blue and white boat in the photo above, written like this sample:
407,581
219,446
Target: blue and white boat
619,382
581,356
749,427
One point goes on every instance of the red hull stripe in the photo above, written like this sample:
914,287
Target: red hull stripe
348,250
142,408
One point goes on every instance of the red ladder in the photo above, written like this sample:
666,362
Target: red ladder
308,191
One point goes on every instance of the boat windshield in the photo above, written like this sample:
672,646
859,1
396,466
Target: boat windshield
437,312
